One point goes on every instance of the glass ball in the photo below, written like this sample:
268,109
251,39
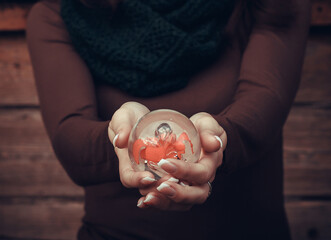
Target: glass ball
163,134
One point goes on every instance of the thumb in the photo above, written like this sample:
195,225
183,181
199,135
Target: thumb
212,135
123,121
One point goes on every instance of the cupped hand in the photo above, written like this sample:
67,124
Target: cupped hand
193,187
119,130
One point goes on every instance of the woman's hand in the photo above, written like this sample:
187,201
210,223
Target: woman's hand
119,130
168,193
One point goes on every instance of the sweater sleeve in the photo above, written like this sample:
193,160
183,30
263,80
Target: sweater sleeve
67,99
268,81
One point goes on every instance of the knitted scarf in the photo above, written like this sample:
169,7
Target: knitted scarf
148,47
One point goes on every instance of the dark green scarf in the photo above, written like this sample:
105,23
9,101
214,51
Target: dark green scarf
148,47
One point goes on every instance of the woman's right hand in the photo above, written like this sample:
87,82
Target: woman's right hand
119,130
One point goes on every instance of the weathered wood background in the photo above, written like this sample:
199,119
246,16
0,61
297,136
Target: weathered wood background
37,199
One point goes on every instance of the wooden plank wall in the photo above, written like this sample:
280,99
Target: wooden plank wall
38,200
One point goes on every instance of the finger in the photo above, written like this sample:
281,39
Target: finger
123,121
128,176
222,139
197,173
150,200
156,200
160,201
141,204
112,135
191,195
209,131
120,127
152,188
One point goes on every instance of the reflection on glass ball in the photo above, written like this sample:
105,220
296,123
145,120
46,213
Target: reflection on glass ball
163,134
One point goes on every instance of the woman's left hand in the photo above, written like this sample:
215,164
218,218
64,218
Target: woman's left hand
170,194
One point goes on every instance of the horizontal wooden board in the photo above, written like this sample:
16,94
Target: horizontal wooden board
53,219
321,12
36,178
308,129
307,152
315,86
309,219
22,128
25,153
13,16
40,219
307,182
17,83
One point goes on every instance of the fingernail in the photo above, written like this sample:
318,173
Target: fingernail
220,140
163,186
147,180
168,190
172,179
115,139
183,184
148,198
140,203
167,166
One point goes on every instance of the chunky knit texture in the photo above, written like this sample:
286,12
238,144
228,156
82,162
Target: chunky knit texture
148,47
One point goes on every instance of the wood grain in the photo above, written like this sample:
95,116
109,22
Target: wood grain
315,86
309,219
26,153
307,152
321,12
40,219
32,178
13,16
17,83
308,129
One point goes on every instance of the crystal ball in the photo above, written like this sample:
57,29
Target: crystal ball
163,134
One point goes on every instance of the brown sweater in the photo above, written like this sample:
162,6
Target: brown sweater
248,92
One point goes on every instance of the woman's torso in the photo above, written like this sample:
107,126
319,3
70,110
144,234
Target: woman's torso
240,206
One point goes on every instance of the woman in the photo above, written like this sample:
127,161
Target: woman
235,74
